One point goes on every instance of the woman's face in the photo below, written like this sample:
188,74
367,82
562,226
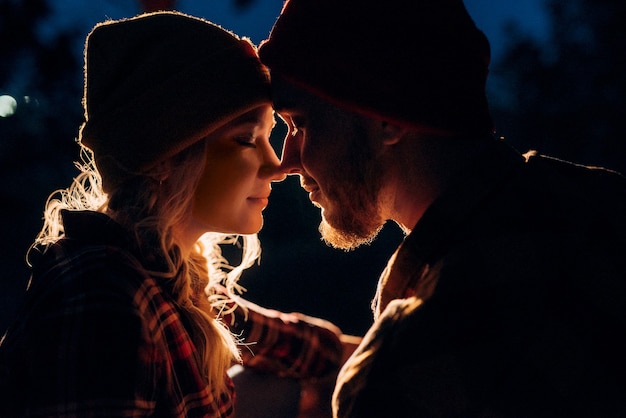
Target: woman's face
239,168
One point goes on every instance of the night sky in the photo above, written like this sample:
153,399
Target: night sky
256,21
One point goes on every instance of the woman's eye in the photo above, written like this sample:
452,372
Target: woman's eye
247,141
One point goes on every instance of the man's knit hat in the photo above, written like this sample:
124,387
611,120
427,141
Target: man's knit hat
157,83
420,63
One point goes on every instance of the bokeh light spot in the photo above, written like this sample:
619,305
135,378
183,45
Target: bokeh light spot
8,105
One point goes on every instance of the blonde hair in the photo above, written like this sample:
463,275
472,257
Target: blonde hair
150,205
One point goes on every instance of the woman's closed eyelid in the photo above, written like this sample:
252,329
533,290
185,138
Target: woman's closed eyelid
246,140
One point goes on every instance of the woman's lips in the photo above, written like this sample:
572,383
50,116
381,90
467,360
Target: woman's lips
263,201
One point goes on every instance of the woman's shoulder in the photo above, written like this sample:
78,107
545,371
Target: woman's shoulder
72,274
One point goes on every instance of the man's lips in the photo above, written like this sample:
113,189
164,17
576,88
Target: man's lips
312,189
309,185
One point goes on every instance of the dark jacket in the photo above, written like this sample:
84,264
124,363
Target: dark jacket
508,299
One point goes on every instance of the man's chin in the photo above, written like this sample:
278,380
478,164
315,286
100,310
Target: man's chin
346,239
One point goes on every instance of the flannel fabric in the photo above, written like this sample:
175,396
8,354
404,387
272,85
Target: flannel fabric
97,337
507,299
287,344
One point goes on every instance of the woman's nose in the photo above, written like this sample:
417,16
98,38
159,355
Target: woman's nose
290,161
272,166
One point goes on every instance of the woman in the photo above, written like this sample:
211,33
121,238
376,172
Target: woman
116,320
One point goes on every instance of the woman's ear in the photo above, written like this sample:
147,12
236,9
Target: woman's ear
392,134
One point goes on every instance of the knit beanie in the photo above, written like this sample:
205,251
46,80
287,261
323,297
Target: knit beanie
157,83
418,63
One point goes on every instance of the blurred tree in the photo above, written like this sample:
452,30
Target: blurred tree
36,148
567,97
243,4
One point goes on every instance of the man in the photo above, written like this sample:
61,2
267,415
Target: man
508,295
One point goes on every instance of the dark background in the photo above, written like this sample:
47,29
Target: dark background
557,85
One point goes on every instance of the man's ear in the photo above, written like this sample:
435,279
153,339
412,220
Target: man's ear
392,134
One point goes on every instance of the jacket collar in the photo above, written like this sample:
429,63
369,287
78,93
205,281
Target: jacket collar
407,272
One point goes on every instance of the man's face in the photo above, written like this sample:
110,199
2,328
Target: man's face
335,152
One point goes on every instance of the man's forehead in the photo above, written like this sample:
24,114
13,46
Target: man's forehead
287,96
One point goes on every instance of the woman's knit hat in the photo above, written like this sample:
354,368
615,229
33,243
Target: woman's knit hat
420,63
157,83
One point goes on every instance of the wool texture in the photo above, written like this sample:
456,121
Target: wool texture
159,82
419,63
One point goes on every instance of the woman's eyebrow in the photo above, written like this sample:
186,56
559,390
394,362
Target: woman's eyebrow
248,120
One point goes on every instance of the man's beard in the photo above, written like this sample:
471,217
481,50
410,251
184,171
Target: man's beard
347,239
352,217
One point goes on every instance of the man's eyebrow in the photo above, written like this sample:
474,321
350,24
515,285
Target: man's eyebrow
283,104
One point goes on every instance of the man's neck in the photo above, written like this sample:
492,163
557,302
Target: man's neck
423,168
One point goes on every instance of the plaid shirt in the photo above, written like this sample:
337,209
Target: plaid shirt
97,337
287,344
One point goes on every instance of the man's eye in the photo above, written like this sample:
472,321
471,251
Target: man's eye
297,124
